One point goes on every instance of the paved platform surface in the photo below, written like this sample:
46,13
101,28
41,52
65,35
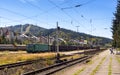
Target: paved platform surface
107,65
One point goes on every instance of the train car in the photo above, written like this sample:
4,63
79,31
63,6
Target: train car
11,47
63,48
34,48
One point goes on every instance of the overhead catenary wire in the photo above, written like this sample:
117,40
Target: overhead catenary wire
19,20
18,14
26,17
79,5
22,14
43,11
78,13
13,12
47,11
82,16
64,12
9,19
88,2
69,16
87,20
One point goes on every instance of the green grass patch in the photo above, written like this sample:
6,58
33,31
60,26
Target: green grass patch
97,67
8,58
110,67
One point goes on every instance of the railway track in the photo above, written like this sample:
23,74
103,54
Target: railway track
26,62
17,64
56,67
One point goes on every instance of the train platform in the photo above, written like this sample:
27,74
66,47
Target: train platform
103,64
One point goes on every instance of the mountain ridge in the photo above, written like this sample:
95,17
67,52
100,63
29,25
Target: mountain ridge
63,33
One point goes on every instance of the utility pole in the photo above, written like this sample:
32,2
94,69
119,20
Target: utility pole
91,25
36,19
77,32
91,32
77,28
21,29
48,42
21,33
57,43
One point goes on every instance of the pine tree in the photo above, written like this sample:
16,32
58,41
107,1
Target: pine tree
116,26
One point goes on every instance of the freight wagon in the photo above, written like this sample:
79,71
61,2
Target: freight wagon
11,47
35,48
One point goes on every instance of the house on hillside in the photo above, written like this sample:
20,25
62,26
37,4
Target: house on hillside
7,34
46,40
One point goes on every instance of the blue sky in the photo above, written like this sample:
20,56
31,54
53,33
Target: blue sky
93,16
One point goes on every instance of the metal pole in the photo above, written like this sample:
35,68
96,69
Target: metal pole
77,32
57,39
77,28
91,33
21,33
48,42
57,43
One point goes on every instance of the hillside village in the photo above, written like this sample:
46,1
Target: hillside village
8,36
25,35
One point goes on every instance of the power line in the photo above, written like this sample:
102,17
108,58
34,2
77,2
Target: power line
53,7
44,11
79,5
39,9
34,5
9,19
19,15
92,18
88,2
14,12
82,16
19,20
26,17
78,13
64,12
82,5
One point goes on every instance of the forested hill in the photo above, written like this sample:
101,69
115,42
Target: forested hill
64,33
